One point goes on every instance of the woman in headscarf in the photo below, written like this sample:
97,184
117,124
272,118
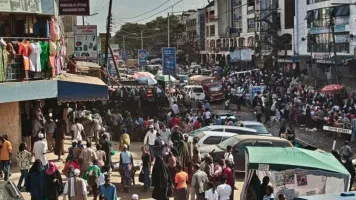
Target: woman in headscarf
54,184
161,180
36,181
183,154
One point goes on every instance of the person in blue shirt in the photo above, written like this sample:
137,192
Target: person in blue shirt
218,120
126,163
206,105
108,190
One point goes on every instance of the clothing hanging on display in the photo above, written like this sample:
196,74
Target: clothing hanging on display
52,30
44,56
35,59
3,61
59,62
25,51
52,56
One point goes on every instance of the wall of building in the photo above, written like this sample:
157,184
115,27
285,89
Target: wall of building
10,124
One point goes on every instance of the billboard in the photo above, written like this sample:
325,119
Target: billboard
142,57
73,7
85,42
28,6
169,61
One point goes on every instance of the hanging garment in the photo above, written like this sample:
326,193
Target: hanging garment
58,30
35,57
59,62
3,62
52,30
52,56
25,51
47,29
44,56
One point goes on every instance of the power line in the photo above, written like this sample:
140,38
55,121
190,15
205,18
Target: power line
148,11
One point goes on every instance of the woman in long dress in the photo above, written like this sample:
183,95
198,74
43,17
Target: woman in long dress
54,184
36,181
59,136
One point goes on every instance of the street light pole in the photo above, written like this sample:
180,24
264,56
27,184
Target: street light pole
168,32
141,39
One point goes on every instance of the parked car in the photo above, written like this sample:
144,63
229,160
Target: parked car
212,137
194,92
228,129
259,127
224,114
239,144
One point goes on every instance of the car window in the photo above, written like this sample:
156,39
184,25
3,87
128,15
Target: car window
240,132
224,138
242,147
218,130
199,136
259,128
198,90
212,140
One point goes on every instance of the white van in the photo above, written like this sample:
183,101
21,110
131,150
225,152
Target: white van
194,92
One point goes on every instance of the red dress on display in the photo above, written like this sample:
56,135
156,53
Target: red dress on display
25,50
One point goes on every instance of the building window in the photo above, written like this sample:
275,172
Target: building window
251,25
323,42
212,30
321,17
250,42
314,1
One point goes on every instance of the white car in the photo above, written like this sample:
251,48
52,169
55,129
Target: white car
259,127
221,128
194,92
212,137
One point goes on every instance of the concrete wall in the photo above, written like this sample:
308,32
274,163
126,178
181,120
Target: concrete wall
10,123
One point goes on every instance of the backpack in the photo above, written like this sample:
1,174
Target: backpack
91,177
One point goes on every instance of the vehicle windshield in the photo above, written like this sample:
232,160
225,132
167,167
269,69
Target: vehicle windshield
198,90
260,129
229,142
215,88
199,136
194,133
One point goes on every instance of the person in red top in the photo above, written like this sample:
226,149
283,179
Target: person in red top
197,124
331,119
175,121
227,171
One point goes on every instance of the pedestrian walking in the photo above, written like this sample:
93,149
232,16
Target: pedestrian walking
59,136
150,139
181,180
5,157
77,131
161,181
75,188
87,156
146,168
346,151
36,180
40,149
211,193
124,139
92,177
101,155
126,163
224,190
198,183
108,189
54,184
23,159
50,127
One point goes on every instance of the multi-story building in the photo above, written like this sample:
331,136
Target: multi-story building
316,21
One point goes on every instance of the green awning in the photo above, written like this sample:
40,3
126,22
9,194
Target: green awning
285,158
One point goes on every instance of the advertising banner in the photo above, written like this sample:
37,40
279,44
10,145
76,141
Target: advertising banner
169,61
74,7
124,55
85,42
102,37
27,6
116,57
246,54
142,57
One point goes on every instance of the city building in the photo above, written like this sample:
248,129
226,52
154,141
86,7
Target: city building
316,20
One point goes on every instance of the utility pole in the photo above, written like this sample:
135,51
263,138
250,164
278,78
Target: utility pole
332,24
168,31
108,24
141,39
123,41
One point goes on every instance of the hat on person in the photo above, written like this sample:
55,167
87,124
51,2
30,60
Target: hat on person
76,172
75,141
134,197
176,126
125,146
151,126
40,135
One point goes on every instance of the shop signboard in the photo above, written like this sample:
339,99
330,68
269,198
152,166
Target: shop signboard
169,61
337,130
246,54
85,42
337,28
235,56
26,6
142,57
102,37
74,7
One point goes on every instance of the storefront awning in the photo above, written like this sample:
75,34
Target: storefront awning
66,87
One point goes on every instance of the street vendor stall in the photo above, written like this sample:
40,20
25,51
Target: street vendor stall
294,172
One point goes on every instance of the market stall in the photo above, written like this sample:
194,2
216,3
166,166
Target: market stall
294,172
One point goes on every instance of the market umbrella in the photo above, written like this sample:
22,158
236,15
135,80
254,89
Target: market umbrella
146,81
142,74
332,88
164,78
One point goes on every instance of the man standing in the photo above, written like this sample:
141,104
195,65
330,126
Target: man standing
108,190
77,129
87,156
65,117
75,187
126,162
36,129
198,180
345,151
228,154
224,190
40,149
50,127
181,180
150,139
5,157
175,108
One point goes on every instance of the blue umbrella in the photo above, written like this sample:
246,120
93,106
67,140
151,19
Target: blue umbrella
146,81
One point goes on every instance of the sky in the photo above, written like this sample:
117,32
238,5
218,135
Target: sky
131,8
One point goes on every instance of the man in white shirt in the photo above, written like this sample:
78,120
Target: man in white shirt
40,149
207,115
224,190
175,108
228,154
150,139
77,130
73,185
